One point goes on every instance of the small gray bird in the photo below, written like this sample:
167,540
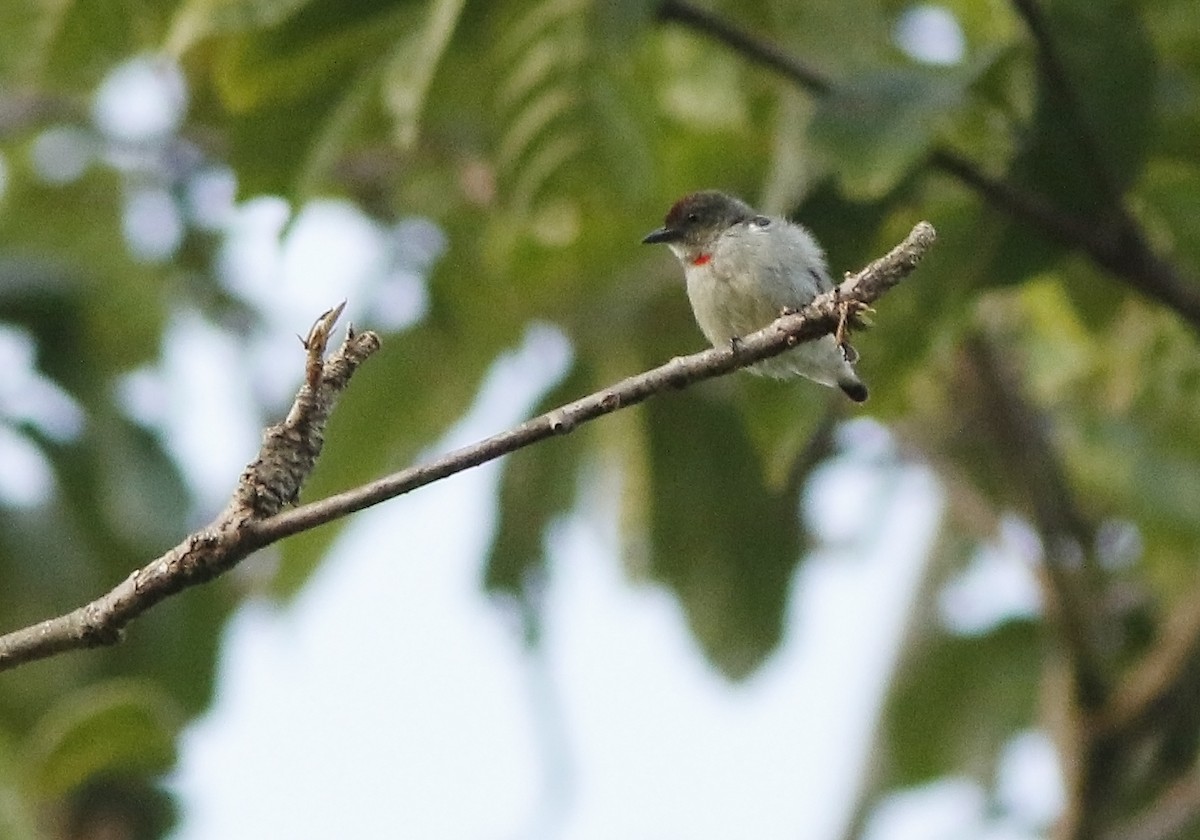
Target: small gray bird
743,270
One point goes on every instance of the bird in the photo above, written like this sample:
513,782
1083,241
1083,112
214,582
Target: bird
743,270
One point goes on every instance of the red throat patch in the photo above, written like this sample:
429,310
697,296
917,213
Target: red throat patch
702,259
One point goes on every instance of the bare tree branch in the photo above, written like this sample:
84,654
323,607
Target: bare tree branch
252,519
1123,250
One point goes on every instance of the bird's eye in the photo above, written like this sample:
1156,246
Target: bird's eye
693,217
761,221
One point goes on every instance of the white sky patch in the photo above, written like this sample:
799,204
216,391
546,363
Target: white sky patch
1029,793
202,395
401,298
997,585
28,397
1029,782
143,397
249,262
142,100
152,223
949,809
930,34
393,699
26,479
663,746
330,252
210,197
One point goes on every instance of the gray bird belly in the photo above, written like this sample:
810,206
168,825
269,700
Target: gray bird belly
725,309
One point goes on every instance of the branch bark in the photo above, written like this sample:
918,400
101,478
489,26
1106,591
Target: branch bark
255,516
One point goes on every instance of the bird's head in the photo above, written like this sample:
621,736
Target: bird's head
695,221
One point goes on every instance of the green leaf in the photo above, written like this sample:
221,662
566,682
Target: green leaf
292,94
875,128
1108,60
27,28
18,817
1171,192
791,425
1177,116
416,58
959,700
68,276
195,20
818,32
66,46
723,542
117,727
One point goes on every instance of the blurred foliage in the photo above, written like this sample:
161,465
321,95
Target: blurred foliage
545,137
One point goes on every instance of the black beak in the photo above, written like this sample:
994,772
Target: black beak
663,234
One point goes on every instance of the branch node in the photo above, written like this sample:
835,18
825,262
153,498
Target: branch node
560,421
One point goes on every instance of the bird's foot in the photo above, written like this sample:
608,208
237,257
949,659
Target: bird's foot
851,315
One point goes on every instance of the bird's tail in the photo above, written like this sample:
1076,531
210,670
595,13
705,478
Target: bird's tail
853,388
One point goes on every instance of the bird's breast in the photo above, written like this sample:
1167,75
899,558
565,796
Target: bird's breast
728,303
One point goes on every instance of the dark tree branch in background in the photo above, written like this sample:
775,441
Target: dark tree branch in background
253,518
1175,812
1142,746
1129,737
746,44
1067,577
1123,251
1023,438
1120,245
22,112
1162,689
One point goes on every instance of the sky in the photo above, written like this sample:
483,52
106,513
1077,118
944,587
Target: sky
398,700
392,698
